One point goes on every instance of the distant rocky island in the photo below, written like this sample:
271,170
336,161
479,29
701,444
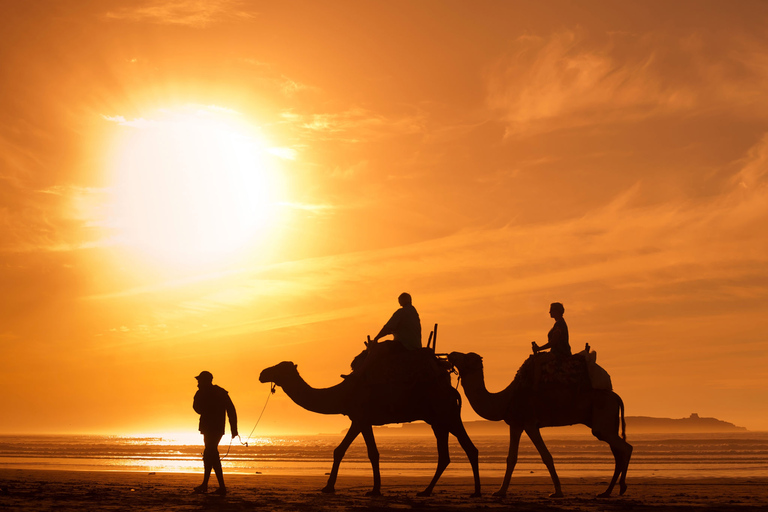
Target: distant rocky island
639,424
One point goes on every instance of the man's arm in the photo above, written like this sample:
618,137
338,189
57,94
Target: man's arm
232,414
390,326
557,338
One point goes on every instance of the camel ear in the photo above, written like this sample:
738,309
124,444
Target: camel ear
295,365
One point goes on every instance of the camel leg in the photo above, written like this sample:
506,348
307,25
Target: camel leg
373,456
338,454
443,458
605,419
546,457
466,443
514,444
622,451
623,478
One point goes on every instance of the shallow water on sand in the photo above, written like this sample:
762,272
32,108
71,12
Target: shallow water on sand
743,454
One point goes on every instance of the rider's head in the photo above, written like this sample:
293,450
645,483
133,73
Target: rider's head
405,299
556,310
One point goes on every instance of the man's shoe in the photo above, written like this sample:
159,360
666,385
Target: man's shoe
221,491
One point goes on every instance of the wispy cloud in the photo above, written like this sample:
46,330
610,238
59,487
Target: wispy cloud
284,153
55,219
193,13
179,115
354,125
665,251
309,207
570,80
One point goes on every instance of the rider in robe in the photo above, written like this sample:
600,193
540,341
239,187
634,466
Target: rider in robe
557,338
405,328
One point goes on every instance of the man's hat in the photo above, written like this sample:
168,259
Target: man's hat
205,376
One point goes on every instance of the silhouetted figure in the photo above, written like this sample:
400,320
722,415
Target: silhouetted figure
557,338
405,328
213,405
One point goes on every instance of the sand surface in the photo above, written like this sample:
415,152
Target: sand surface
34,490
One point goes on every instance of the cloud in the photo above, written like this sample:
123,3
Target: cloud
55,219
354,125
755,166
291,87
284,153
351,171
570,79
309,207
192,13
669,252
178,116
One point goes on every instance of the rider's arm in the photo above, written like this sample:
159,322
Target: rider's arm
390,326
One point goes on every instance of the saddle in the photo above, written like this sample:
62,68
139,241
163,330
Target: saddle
392,366
578,371
544,371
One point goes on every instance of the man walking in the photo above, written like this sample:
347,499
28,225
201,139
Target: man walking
213,404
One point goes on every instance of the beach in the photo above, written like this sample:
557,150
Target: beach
36,490
726,472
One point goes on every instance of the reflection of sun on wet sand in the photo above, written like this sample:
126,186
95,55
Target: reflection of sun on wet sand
33,490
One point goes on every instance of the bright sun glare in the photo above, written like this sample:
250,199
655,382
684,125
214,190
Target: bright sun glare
193,186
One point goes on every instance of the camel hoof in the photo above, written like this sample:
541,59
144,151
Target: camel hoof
500,494
605,494
424,493
558,494
476,495
374,492
328,490
622,489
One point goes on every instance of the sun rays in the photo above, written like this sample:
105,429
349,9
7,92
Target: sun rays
192,186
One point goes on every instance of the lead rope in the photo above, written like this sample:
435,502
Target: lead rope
271,392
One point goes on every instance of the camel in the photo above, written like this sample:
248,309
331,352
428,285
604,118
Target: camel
529,408
432,400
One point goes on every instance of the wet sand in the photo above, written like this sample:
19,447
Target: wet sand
35,490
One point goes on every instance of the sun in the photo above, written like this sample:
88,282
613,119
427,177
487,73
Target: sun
192,186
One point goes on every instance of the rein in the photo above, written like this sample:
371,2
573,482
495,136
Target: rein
271,392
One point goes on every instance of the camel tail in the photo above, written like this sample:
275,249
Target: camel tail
621,412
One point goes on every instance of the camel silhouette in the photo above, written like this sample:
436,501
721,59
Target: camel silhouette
529,408
432,400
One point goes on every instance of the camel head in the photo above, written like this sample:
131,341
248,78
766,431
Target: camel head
466,363
278,373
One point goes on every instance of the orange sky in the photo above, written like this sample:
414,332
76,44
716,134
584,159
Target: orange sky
224,185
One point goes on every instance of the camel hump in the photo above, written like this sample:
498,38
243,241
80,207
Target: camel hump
402,369
578,371
545,370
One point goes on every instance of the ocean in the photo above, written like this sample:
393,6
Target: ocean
743,455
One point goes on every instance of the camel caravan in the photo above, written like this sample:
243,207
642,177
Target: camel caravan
399,381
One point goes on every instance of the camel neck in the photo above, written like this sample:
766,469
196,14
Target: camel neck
330,400
491,406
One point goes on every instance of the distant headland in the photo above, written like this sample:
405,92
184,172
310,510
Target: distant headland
639,424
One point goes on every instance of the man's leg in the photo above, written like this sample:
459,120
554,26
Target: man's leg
216,462
210,460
